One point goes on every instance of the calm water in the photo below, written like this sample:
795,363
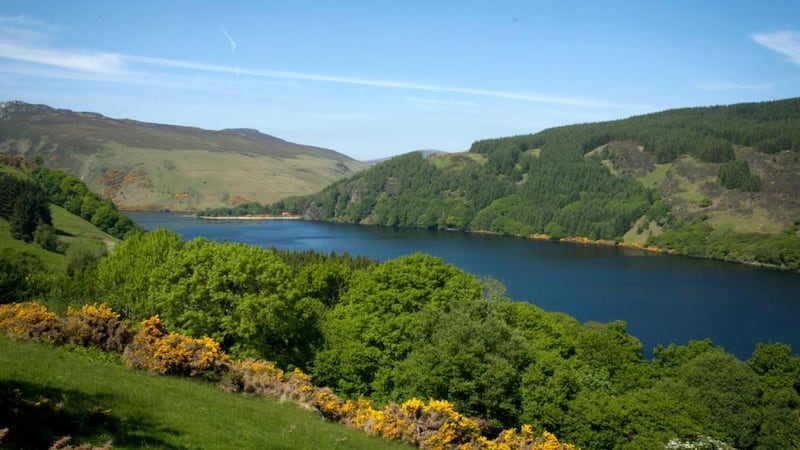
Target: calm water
662,298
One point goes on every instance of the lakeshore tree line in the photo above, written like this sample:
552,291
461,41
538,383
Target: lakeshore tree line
418,327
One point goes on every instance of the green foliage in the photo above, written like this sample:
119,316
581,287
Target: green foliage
24,205
242,296
374,325
73,195
698,238
736,175
724,393
578,194
470,356
45,237
21,276
126,276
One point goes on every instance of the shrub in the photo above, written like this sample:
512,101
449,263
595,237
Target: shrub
29,321
99,326
159,352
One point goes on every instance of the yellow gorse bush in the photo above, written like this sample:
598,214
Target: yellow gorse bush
97,325
157,351
29,320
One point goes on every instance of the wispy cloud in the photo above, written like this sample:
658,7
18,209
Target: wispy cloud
134,69
727,86
25,29
87,62
115,62
786,42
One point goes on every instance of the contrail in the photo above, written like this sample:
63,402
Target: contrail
233,48
230,39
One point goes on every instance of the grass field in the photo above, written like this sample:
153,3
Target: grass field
47,393
72,229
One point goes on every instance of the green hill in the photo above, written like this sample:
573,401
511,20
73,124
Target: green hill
48,252
47,393
719,182
148,166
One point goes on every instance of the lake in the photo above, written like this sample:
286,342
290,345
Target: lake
663,298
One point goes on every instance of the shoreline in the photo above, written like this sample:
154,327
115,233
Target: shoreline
256,217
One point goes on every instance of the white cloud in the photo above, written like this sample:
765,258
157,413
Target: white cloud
786,42
87,62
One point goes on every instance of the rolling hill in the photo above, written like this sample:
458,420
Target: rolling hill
720,182
147,166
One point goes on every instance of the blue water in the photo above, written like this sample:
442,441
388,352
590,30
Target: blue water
663,299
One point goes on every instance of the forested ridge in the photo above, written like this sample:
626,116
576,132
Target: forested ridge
718,182
417,327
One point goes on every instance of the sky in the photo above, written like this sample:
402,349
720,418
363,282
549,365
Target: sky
377,78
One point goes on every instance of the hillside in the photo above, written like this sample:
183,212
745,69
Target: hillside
720,182
48,393
147,166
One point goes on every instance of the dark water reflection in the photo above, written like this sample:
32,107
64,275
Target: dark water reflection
662,298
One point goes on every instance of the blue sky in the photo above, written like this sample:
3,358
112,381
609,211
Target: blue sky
377,78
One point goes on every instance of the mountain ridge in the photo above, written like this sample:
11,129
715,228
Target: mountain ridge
152,166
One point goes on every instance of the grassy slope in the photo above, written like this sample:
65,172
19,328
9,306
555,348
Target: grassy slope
185,179
70,228
52,261
685,182
102,401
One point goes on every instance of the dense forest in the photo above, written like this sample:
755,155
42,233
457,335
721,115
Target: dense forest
573,181
416,327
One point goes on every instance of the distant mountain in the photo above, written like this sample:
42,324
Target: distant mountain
721,182
148,166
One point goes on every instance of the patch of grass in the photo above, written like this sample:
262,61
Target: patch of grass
656,177
72,228
610,166
641,231
47,393
456,160
753,220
